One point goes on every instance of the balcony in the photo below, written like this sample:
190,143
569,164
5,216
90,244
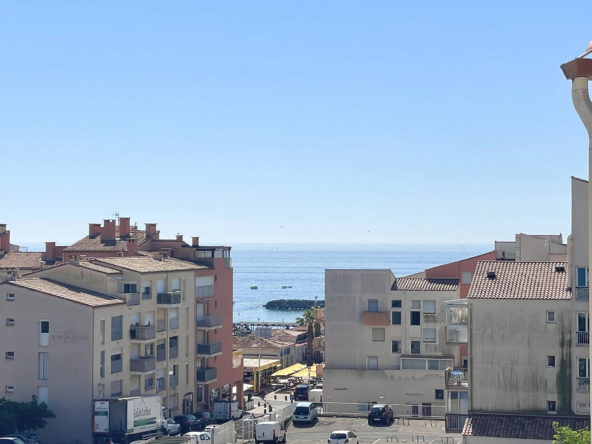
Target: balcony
209,350
169,298
173,381
455,422
143,364
142,332
204,291
161,355
209,322
581,293
456,334
129,298
116,366
583,338
583,385
458,377
227,262
173,352
376,318
207,375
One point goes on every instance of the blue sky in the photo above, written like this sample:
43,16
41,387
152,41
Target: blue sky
266,121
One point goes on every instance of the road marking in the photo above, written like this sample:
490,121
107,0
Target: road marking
376,441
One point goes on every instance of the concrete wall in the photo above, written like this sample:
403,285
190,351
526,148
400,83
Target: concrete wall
579,227
80,277
70,360
537,248
509,344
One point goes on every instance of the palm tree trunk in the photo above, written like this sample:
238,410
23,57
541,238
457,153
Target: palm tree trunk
309,348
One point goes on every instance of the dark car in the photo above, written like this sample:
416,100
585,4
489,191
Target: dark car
11,440
301,392
27,438
205,419
380,413
187,423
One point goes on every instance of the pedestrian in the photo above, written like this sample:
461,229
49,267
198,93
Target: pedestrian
291,397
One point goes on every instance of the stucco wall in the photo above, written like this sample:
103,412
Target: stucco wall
80,277
579,226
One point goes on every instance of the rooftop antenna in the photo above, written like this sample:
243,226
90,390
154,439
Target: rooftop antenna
116,214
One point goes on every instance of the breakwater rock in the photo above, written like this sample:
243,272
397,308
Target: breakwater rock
293,304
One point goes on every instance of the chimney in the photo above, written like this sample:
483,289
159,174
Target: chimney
5,240
94,229
108,231
179,238
50,250
195,241
124,226
150,229
131,247
2,228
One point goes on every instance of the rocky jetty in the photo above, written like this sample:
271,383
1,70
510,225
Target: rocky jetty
293,304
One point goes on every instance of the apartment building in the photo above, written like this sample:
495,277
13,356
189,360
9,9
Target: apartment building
385,341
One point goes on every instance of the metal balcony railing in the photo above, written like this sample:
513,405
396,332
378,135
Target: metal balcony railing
581,293
161,355
160,385
173,352
132,298
143,364
583,385
116,366
455,422
583,338
209,349
173,381
169,298
207,374
142,332
209,321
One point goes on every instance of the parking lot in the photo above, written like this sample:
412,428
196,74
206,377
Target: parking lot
412,431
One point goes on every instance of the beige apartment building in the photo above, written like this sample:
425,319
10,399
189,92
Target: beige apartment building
386,341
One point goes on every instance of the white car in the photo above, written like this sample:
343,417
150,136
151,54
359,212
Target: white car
343,437
171,427
199,437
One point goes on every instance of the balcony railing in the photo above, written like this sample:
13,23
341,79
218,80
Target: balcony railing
207,374
149,385
458,377
173,352
376,318
173,323
116,366
581,293
209,321
161,355
173,381
227,262
583,385
135,392
204,291
142,332
160,325
209,349
169,298
455,422
129,298
160,385
143,364
583,338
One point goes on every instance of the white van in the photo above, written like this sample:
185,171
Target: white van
270,431
305,412
315,396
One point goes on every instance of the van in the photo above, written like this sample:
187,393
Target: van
301,392
305,412
270,431
316,396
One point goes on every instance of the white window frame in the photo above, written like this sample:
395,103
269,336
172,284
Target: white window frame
10,296
587,317
587,361
554,411
373,301
43,366
411,348
467,276
372,359
415,305
429,339
554,320
43,337
554,361
428,310
377,330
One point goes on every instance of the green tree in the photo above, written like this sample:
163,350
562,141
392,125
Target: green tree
7,418
308,319
565,435
23,416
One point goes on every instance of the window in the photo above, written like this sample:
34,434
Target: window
373,305
186,345
550,361
176,284
173,318
416,305
551,407
378,335
413,364
9,355
186,317
397,304
439,364
102,331
149,383
396,318
160,286
44,365
396,346
582,276
429,335
439,394
42,395
415,347
173,347
372,362
9,322
116,388
204,286
149,349
550,316
116,361
146,290
10,296
130,288
583,322
102,365
186,374
467,277
116,328
583,367
172,404
44,333
415,318
429,307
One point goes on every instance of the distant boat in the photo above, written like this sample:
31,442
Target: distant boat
254,287
286,286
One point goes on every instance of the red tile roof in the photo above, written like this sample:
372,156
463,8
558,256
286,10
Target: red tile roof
518,426
252,341
28,261
520,280
425,284
144,264
94,243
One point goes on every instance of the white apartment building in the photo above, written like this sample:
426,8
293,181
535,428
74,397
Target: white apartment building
386,341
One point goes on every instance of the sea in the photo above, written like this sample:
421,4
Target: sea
302,267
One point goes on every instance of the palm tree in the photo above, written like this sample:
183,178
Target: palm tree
308,319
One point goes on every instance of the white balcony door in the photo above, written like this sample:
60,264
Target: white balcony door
160,286
44,333
134,351
176,284
201,310
134,319
149,318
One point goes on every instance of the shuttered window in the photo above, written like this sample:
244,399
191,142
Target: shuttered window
378,335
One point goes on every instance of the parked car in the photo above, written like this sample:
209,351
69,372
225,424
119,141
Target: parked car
343,437
380,413
305,412
27,438
170,427
205,419
199,437
187,423
270,431
11,440
301,392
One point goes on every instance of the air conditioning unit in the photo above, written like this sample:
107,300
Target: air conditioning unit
9,388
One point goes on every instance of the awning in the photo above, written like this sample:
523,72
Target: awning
247,387
289,370
304,372
255,364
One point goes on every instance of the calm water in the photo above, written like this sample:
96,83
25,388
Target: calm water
303,267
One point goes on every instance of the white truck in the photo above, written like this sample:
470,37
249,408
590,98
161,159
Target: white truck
315,396
284,414
226,410
128,419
